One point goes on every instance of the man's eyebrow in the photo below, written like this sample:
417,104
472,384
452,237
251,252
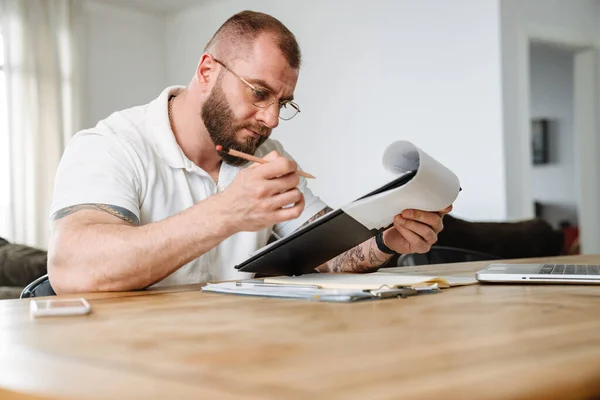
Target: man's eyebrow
267,86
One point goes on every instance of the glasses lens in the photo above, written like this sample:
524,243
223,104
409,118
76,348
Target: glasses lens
288,111
260,98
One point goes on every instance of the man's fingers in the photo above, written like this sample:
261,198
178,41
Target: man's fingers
283,183
415,242
426,232
269,157
434,220
284,199
288,213
446,210
272,156
277,167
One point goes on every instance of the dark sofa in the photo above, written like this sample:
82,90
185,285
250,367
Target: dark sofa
19,265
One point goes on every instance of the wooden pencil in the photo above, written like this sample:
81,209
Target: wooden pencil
252,158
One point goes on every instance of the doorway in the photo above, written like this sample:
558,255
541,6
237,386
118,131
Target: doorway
553,156
562,122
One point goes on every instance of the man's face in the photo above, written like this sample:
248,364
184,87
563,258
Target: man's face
230,116
220,122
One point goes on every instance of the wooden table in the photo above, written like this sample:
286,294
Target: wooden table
483,341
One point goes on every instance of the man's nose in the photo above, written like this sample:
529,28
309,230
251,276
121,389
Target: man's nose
269,116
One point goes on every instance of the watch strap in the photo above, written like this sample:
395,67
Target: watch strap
381,245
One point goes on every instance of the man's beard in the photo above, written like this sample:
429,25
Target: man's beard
218,119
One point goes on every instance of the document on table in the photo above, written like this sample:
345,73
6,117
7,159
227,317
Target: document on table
258,287
372,281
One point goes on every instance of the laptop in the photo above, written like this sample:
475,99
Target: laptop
540,273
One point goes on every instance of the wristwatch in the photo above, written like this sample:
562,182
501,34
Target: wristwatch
381,245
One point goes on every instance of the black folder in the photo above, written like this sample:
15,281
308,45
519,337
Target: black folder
318,242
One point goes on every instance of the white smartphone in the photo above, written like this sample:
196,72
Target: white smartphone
59,307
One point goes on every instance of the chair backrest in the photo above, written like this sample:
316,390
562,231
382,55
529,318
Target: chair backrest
38,288
443,255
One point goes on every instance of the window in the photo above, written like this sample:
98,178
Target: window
4,150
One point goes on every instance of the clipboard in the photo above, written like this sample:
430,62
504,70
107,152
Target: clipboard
318,242
312,293
422,183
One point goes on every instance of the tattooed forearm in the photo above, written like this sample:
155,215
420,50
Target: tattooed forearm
117,211
317,216
363,258
374,259
354,260
348,261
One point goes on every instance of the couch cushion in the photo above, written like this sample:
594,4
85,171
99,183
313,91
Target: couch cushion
20,264
9,292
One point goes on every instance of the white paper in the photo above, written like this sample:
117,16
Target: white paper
433,188
287,291
371,281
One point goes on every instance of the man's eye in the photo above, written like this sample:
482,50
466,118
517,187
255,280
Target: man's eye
260,95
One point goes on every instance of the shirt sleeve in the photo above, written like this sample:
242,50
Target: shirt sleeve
96,169
313,204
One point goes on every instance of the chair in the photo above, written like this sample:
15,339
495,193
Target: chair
443,255
38,288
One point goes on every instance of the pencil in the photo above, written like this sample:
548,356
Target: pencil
250,157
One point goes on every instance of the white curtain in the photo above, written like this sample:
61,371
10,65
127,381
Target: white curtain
40,39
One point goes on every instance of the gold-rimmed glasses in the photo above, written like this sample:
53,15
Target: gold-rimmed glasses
264,98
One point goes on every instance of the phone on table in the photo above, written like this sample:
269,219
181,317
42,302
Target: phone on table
59,307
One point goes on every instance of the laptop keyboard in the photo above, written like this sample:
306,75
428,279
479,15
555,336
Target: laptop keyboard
569,269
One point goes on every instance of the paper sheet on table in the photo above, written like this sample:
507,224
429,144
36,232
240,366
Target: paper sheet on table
288,292
433,188
371,281
311,292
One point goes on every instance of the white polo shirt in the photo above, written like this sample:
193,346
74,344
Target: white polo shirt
132,160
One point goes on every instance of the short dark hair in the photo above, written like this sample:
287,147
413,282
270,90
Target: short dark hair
236,36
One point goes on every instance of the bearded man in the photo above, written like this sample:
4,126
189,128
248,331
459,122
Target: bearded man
145,199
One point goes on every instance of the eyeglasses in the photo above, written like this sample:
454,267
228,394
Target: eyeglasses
263,97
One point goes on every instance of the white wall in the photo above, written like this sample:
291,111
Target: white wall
551,82
124,52
426,71
543,19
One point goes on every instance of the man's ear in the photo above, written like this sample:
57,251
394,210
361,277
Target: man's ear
205,71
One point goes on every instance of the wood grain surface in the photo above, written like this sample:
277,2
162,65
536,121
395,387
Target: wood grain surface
486,341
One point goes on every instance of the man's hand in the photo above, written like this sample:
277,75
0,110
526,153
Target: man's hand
415,231
257,196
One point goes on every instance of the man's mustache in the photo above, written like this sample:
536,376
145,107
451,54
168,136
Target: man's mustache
261,130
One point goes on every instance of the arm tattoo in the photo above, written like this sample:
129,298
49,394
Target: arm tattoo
374,260
349,261
354,259
317,216
117,211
